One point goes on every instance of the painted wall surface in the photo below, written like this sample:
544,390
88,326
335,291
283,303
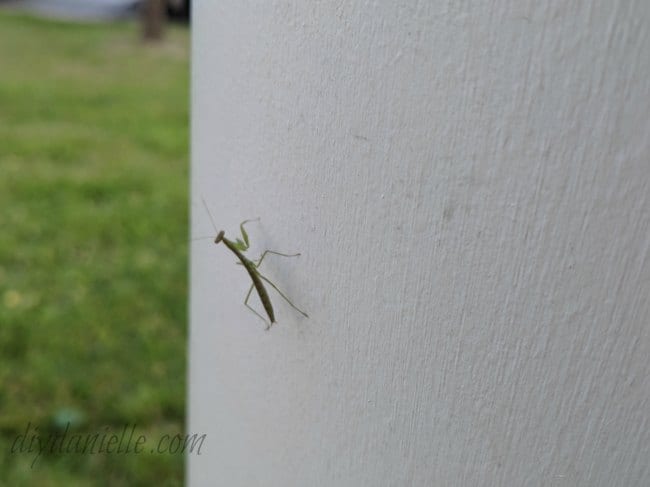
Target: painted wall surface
468,184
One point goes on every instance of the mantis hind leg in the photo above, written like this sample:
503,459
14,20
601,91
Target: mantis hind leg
248,295
282,294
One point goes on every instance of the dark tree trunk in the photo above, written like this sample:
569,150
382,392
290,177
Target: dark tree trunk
153,19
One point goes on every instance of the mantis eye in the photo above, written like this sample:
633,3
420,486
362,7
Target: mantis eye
219,237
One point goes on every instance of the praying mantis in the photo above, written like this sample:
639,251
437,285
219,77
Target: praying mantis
252,267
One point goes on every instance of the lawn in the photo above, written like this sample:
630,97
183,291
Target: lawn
93,248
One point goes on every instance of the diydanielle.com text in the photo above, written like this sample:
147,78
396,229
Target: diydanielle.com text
122,441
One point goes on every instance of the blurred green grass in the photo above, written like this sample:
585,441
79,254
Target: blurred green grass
93,243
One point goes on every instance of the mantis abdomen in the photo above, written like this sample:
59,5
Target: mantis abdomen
257,282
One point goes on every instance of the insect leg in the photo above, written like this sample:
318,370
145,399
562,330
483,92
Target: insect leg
259,261
285,298
243,245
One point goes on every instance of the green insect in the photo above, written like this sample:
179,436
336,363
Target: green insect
252,267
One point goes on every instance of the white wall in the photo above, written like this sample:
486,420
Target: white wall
468,183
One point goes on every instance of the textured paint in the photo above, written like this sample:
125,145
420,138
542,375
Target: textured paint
468,184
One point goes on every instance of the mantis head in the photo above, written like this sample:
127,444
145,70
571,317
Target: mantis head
219,237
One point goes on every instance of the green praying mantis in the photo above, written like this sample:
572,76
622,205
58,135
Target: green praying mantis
241,245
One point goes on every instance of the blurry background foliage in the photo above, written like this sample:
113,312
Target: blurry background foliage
93,244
